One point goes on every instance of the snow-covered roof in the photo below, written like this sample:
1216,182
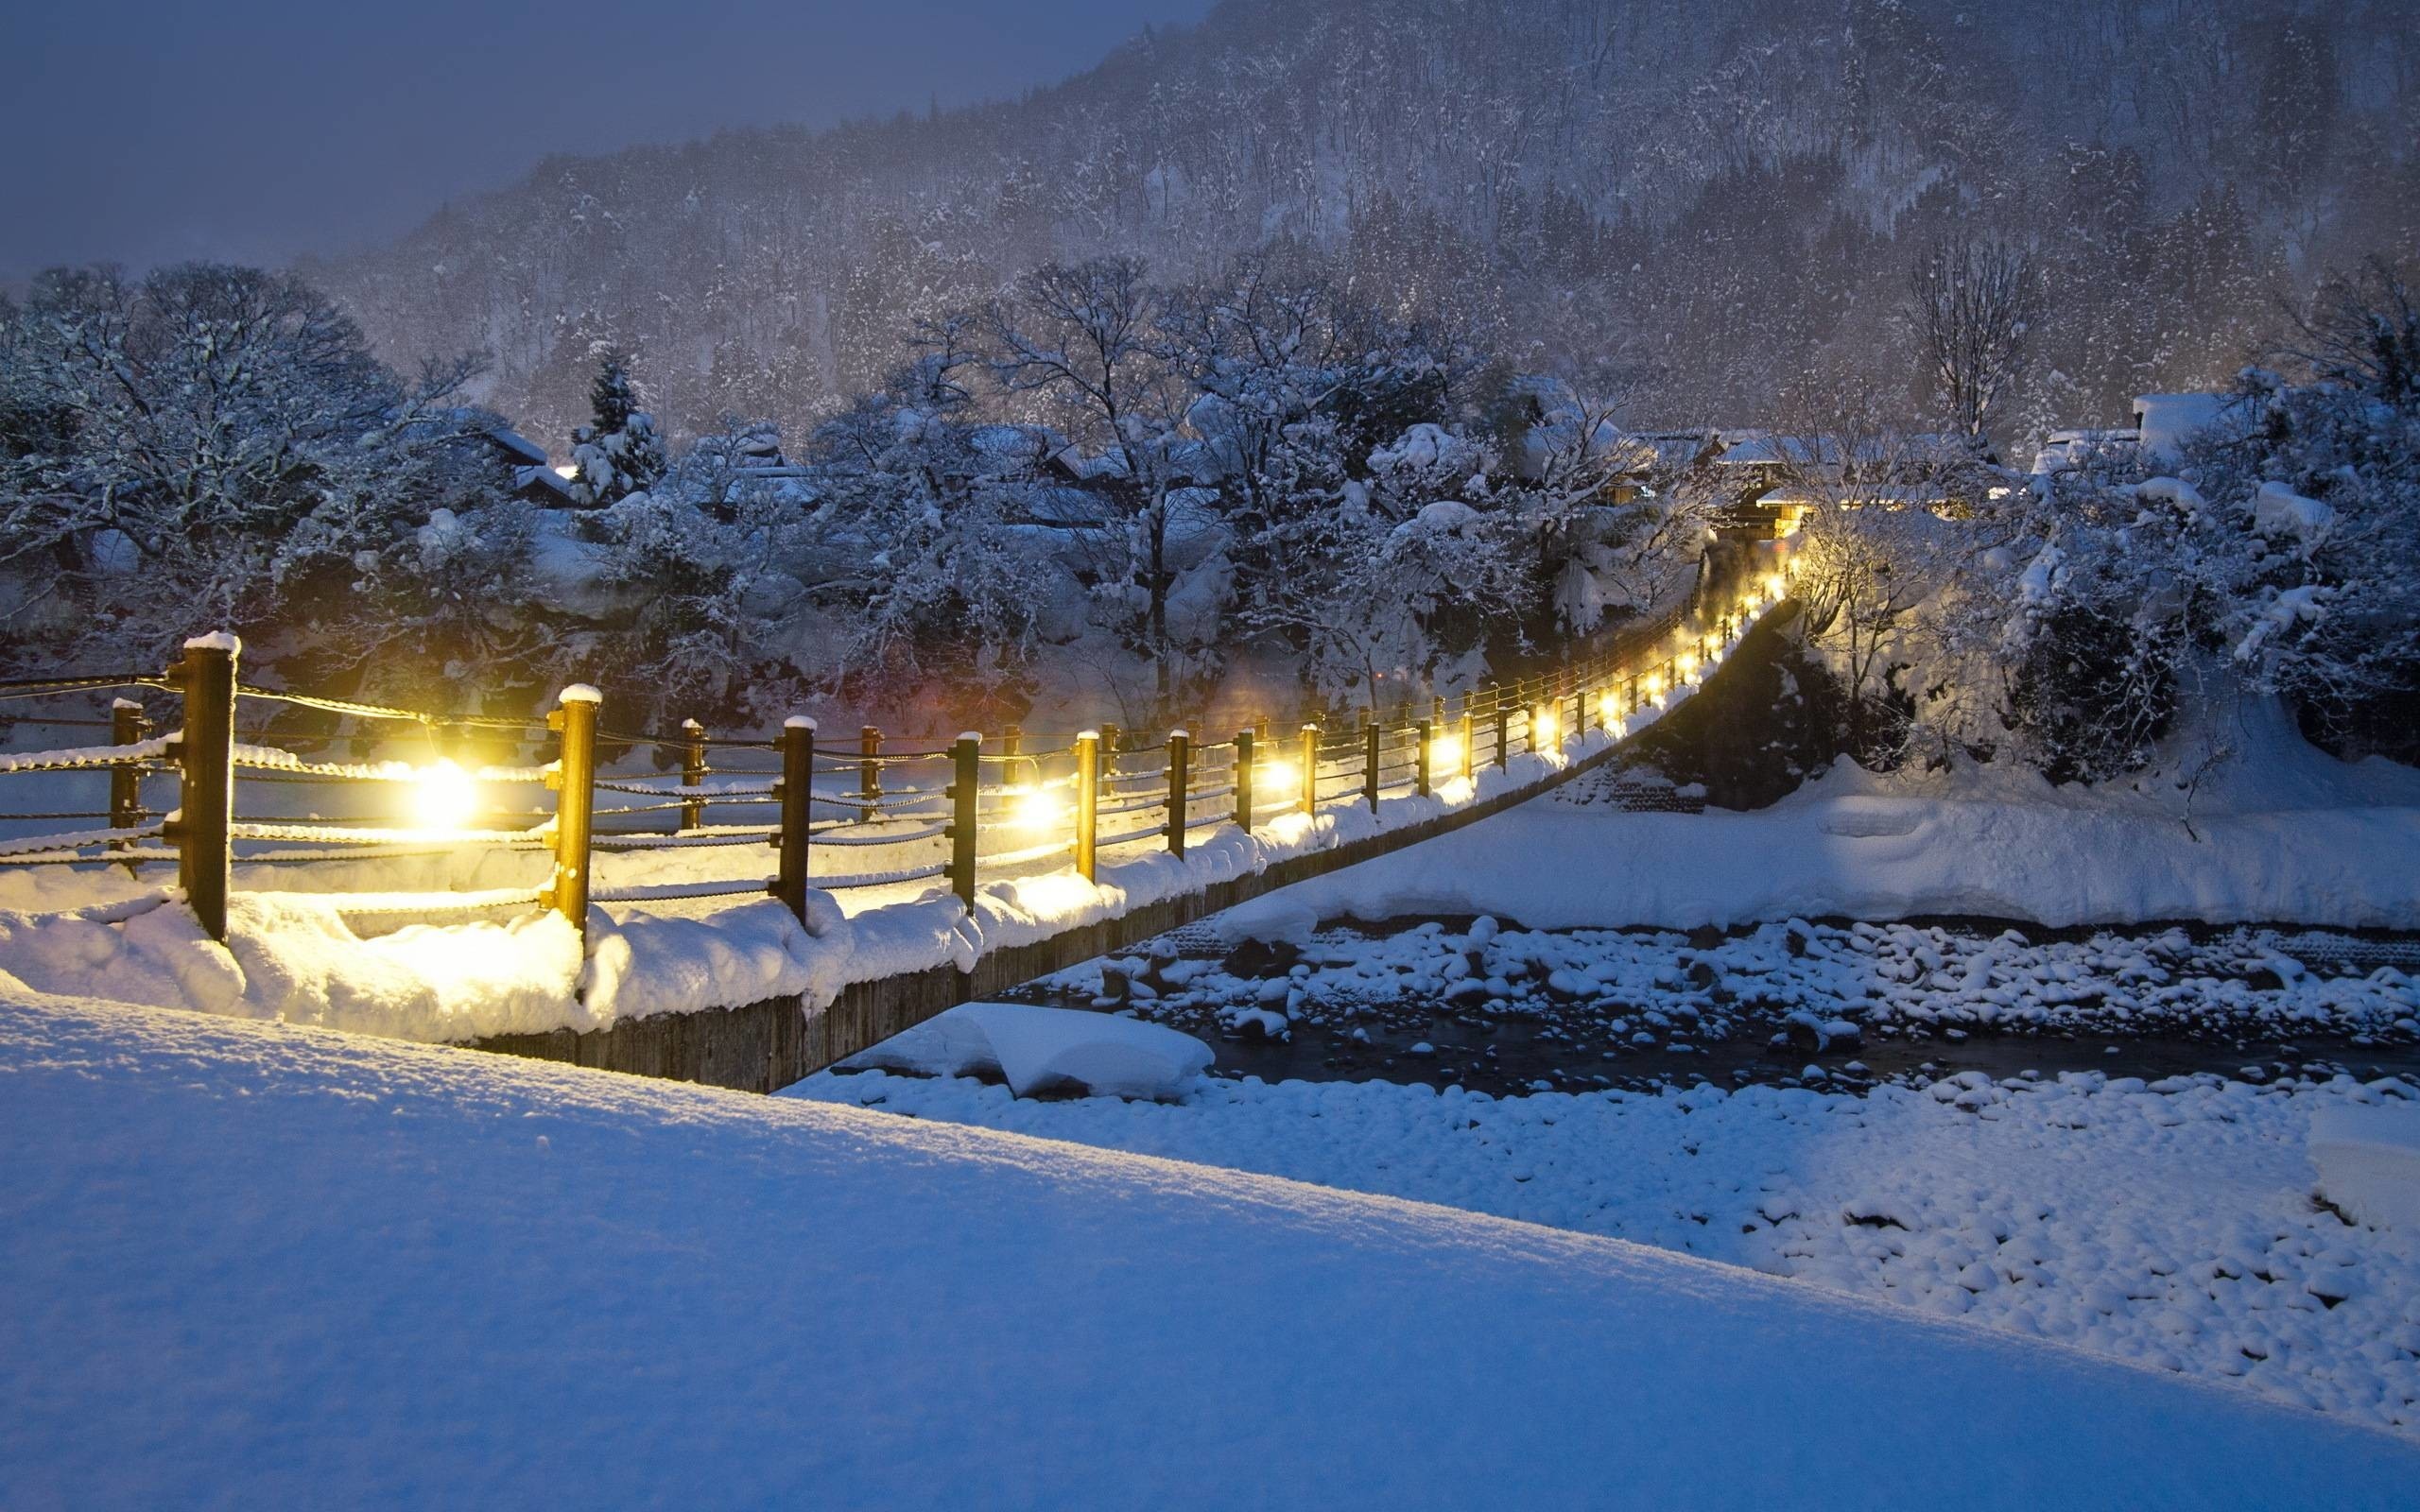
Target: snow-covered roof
519,445
1760,449
1894,495
544,478
2065,451
2167,419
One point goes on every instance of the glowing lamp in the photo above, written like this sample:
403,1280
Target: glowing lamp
443,797
1652,685
1544,728
1444,753
1280,776
1685,664
1039,809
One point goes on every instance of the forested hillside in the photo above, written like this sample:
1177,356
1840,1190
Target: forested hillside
1719,196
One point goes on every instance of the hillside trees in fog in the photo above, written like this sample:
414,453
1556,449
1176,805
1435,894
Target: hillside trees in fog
1727,193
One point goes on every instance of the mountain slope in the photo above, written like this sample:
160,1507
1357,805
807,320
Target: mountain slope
1719,194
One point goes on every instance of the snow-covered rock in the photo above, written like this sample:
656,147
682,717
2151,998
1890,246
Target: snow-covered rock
2368,1160
1047,1050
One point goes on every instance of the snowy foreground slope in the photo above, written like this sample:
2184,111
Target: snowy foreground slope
2170,1223
255,1264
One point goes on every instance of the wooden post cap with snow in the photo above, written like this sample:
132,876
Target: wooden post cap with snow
206,777
574,780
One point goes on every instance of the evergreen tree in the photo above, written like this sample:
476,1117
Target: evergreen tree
618,454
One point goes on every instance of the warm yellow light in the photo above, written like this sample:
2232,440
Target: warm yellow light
444,798
1444,755
1544,728
1279,777
1652,685
1609,710
1686,664
1039,809
1773,585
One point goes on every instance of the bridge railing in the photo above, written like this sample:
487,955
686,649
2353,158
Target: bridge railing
533,798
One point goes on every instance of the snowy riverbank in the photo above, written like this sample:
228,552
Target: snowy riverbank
474,1281
2281,834
2170,1224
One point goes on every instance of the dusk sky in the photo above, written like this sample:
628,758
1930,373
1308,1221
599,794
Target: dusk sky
144,131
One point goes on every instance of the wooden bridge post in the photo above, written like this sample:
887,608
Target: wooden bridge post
128,727
574,779
965,794
206,777
1371,734
869,773
1243,780
1180,788
1310,769
1087,803
796,789
1469,761
1422,733
693,772
1503,725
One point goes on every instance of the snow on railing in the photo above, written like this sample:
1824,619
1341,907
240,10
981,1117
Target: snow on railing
1006,806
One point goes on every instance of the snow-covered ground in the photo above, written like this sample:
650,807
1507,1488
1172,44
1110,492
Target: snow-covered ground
2171,1223
254,1264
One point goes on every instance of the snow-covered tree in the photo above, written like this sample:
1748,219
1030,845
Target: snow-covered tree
938,588
617,453
1973,303
1086,342
209,445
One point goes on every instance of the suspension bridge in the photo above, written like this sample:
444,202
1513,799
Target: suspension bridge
1094,841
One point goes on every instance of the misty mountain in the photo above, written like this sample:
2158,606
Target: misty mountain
1718,196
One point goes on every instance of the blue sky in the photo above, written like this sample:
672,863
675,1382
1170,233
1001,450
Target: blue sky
143,130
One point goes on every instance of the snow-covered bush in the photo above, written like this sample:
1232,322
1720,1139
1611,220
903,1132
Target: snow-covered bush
2066,618
2316,489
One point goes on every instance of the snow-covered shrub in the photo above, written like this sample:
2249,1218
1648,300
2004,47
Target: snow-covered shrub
2316,492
